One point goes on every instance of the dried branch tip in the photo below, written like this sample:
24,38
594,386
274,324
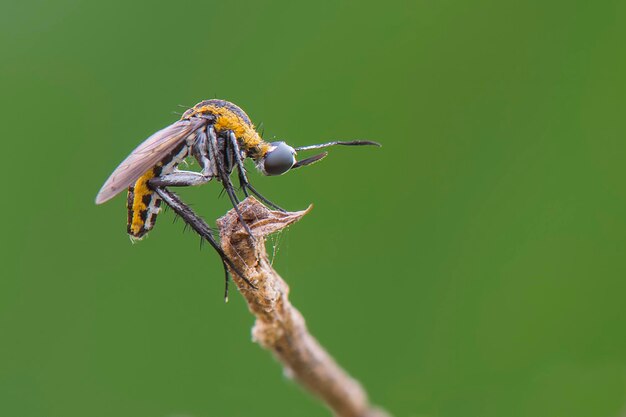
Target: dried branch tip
279,326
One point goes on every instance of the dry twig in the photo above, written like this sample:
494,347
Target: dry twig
279,326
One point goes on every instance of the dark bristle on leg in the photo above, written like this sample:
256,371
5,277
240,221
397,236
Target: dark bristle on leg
226,278
199,226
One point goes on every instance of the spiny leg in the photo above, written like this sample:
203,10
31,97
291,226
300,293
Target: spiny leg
243,179
263,199
232,148
230,190
233,155
179,179
201,228
224,176
200,151
223,173
226,276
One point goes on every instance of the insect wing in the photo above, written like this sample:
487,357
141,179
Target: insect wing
145,156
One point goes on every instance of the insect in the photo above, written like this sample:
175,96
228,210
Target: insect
220,136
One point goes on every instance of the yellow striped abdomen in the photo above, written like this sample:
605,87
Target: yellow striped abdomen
143,205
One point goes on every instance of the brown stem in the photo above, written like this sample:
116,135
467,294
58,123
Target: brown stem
279,326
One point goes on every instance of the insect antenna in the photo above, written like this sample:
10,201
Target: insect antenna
309,161
338,142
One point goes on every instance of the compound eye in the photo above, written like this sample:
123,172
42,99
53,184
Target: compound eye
279,159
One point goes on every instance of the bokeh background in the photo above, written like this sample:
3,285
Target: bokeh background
473,266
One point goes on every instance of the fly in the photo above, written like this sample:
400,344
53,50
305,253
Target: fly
220,136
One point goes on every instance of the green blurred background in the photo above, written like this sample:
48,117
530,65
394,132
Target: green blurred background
473,266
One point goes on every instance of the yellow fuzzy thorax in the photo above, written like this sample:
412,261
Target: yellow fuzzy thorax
226,119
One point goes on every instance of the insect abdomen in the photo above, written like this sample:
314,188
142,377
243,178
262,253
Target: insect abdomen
143,205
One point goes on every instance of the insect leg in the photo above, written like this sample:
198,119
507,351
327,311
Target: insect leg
224,176
229,157
200,227
243,179
234,156
226,276
200,151
179,179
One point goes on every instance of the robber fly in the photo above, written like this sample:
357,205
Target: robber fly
220,136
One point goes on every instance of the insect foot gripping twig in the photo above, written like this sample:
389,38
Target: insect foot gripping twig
279,326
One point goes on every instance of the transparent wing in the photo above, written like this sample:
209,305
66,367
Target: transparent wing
146,155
